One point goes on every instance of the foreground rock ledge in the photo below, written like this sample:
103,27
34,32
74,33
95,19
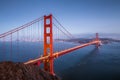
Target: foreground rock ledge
19,71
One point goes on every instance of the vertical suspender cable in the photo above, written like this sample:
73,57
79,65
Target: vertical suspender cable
18,42
11,47
4,48
38,39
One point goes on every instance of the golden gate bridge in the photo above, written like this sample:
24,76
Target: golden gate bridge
44,30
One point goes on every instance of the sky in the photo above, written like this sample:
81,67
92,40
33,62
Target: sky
77,16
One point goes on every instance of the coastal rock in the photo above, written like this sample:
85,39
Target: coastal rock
19,71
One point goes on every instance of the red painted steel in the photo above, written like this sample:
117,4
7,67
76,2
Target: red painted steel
97,39
37,63
48,43
58,54
20,28
74,48
48,56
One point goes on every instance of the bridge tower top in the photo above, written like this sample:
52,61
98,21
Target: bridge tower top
97,39
97,36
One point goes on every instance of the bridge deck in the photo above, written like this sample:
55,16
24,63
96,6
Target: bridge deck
58,54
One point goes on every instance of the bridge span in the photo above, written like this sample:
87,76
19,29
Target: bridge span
48,55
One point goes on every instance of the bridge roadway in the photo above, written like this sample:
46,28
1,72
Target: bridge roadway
58,54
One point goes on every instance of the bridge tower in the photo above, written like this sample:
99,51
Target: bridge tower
48,44
97,39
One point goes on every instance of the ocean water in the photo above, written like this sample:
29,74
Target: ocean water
88,63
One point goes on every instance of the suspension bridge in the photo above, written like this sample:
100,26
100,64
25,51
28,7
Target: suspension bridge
46,32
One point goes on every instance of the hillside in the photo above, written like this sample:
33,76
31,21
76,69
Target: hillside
19,71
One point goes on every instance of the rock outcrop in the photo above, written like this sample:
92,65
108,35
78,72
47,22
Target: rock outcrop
19,71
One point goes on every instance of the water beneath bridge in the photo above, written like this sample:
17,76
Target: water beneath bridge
87,63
